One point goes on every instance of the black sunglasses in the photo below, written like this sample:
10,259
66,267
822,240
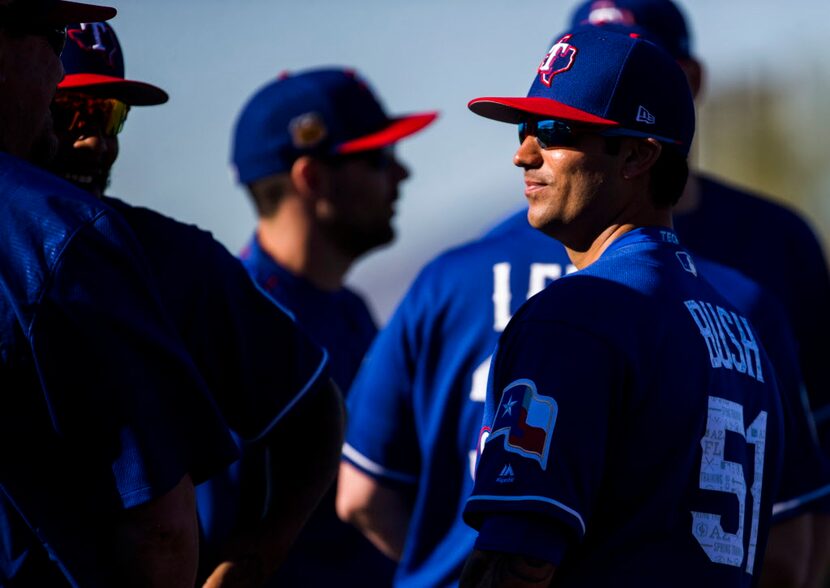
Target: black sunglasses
55,34
551,133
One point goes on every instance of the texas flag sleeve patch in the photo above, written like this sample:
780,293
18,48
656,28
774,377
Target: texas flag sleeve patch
525,420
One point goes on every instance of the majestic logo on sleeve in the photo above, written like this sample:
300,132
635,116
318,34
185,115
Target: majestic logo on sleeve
95,36
560,58
525,420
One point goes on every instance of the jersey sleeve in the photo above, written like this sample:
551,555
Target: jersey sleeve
257,359
553,391
117,382
805,477
380,436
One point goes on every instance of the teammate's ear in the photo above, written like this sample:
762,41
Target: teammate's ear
640,155
308,176
694,74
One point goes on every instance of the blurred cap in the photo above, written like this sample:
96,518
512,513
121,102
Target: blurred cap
94,64
661,18
605,78
53,12
315,112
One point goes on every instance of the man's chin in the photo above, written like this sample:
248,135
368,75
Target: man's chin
95,184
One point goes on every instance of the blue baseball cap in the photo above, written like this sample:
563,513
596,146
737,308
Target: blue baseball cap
53,12
661,18
607,79
94,64
315,112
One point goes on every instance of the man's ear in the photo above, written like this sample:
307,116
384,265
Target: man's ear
309,177
694,74
640,156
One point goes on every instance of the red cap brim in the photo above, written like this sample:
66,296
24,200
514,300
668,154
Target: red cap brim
396,130
128,91
62,13
516,110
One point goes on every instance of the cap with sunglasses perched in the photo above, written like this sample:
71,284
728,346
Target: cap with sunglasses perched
94,65
608,80
51,12
318,112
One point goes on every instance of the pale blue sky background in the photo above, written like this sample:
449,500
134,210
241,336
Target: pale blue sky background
211,55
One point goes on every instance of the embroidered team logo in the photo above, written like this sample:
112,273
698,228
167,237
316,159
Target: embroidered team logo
607,12
95,36
307,130
525,420
559,59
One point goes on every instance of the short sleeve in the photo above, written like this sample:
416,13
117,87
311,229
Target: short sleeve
553,388
114,373
380,436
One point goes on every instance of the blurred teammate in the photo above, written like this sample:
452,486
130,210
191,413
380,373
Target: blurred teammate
104,423
315,151
268,380
607,385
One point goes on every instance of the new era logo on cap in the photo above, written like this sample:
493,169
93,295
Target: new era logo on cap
645,116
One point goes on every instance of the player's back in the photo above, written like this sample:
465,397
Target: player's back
664,458
774,246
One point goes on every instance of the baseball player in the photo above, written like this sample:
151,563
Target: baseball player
415,407
633,425
266,377
104,423
314,150
747,232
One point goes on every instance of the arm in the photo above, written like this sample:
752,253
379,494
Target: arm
382,514
819,569
157,543
489,569
252,555
788,553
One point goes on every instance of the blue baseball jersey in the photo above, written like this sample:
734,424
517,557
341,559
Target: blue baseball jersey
633,427
102,408
327,552
256,361
415,408
775,247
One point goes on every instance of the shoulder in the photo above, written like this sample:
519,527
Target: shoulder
754,207
148,221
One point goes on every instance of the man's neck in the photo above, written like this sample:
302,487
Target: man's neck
584,258
300,249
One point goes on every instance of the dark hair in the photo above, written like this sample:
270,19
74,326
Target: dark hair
668,177
668,174
267,193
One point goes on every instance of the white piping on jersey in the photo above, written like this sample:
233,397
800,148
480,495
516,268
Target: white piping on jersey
788,505
370,466
556,503
308,385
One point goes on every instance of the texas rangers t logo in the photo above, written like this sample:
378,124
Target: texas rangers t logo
94,36
525,420
560,58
